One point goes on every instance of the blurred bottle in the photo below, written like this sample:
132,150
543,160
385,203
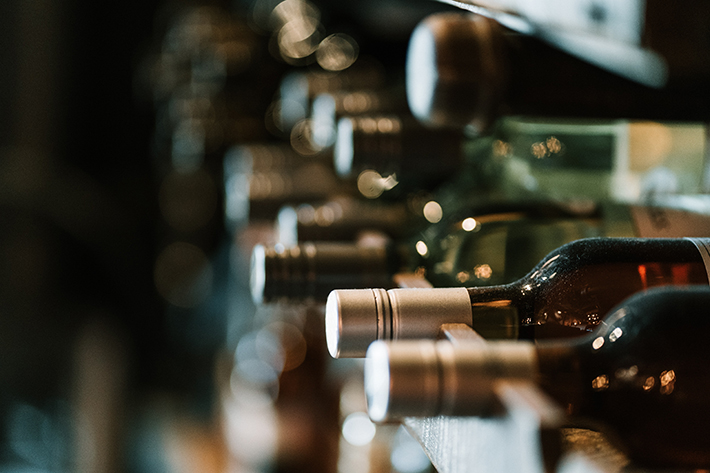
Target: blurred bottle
465,70
345,218
328,108
624,161
567,294
298,89
396,154
640,376
524,158
259,179
492,244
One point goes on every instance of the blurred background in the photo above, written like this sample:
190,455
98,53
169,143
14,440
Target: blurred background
115,308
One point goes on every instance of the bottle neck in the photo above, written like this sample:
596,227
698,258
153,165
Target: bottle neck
496,311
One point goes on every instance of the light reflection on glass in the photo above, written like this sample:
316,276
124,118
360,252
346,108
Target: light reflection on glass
422,248
626,374
433,212
357,102
371,184
358,429
302,138
667,380
600,383
554,145
501,148
337,52
483,271
387,125
539,150
615,334
469,224
598,343
649,383
551,145
306,214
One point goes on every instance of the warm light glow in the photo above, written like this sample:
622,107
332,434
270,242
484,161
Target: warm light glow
421,72
554,145
667,380
357,102
371,184
469,224
433,212
463,276
337,52
649,383
615,334
483,271
306,214
302,138
422,248
324,216
539,150
501,148
600,383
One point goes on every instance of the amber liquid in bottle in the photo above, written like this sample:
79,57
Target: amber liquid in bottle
576,285
644,374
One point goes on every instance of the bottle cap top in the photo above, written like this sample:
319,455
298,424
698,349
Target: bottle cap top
455,71
312,270
356,318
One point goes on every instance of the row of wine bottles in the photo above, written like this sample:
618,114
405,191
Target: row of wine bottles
576,240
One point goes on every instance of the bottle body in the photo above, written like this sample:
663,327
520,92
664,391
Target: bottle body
574,287
644,373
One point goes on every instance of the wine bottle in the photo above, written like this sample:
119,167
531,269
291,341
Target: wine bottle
483,245
298,88
566,294
619,160
641,376
313,269
329,107
466,70
344,218
260,179
416,156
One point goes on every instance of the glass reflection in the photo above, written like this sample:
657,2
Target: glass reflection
337,52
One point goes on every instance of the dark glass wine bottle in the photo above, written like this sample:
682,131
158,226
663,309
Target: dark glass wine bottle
397,145
641,376
313,269
566,294
467,70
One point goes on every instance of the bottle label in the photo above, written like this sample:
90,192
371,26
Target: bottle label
703,246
